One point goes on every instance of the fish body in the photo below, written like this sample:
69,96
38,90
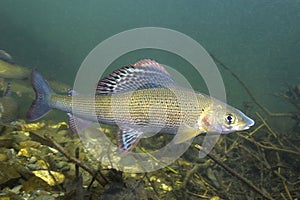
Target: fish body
140,99
23,88
8,106
59,87
8,69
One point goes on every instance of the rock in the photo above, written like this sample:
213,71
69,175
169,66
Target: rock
52,179
45,197
16,189
32,160
41,164
3,157
65,168
25,173
166,187
60,126
6,142
24,152
61,164
11,153
9,174
29,143
31,126
5,198
63,133
132,190
30,151
35,183
33,167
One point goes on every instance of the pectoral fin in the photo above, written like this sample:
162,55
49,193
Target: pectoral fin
185,133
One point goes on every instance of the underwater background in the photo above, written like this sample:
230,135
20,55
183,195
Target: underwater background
258,40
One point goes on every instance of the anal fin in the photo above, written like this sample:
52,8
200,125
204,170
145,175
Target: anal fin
127,140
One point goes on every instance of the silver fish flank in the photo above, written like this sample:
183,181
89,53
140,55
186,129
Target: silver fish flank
142,98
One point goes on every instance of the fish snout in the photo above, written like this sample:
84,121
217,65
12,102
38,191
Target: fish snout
248,122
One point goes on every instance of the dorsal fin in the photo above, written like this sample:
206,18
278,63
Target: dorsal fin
6,57
142,75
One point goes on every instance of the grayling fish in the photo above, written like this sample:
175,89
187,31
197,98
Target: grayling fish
9,69
8,106
142,98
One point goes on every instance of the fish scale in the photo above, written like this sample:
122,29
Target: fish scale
140,104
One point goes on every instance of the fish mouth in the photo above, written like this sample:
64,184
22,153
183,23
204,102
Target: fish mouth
246,128
250,122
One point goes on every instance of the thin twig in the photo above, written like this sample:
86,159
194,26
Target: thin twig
159,161
269,147
255,130
266,124
94,178
249,92
198,195
234,173
76,161
287,190
192,171
76,165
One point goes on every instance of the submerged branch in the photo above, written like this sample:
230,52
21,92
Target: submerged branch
267,125
269,147
249,92
234,173
92,172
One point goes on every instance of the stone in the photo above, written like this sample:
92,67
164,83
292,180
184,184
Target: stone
9,174
52,179
3,157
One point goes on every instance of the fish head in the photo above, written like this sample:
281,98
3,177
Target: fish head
229,119
218,118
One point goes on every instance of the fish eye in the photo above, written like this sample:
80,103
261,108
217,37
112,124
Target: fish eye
229,119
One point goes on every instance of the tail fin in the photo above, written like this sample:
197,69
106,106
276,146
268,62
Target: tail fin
40,106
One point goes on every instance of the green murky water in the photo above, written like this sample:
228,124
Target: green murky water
258,40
